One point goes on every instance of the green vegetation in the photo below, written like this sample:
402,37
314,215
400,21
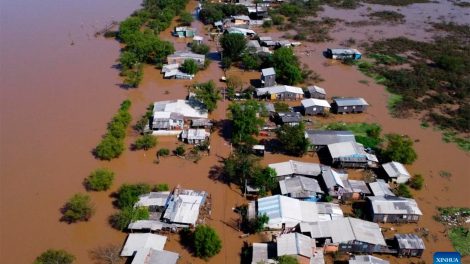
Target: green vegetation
180,150
200,48
292,139
212,12
277,19
365,133
162,187
267,24
129,194
245,121
78,208
100,180
208,94
250,61
395,2
460,237
417,182
403,191
185,18
206,242
445,174
55,256
459,233
145,142
112,144
286,259
233,46
399,148
189,66
343,4
257,224
123,218
389,16
144,120
281,107
163,152
287,66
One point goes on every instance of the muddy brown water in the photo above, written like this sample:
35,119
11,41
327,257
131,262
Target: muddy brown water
56,99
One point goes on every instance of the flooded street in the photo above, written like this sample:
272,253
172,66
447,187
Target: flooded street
59,89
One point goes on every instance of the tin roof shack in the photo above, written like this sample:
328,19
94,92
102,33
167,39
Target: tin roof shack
243,31
172,71
396,172
346,235
355,190
154,201
349,105
380,188
268,77
351,155
285,212
184,206
288,118
296,245
180,56
332,181
409,245
301,187
312,106
366,259
342,54
391,209
184,32
280,92
194,136
322,138
241,21
294,168
316,92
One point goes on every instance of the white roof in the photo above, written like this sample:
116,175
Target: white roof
151,256
315,102
367,259
295,244
350,101
395,169
153,199
188,108
260,253
349,149
195,133
317,89
390,205
243,31
300,186
241,17
139,241
279,89
296,167
170,67
380,188
258,147
198,38
268,71
184,206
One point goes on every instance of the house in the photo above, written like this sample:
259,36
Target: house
316,92
280,92
152,256
268,77
198,40
140,241
347,234
351,155
180,56
171,115
264,253
396,172
322,138
259,150
288,118
301,187
366,259
253,47
294,168
296,245
243,31
241,20
313,106
201,123
194,136
354,190
409,245
286,212
154,201
267,41
184,206
184,32
346,105
380,188
172,71
392,209
341,54
332,181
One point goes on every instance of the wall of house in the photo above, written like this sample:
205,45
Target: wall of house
348,109
314,110
389,218
317,95
269,80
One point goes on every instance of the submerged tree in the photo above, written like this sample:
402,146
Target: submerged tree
246,122
293,139
145,142
399,148
206,242
208,94
233,46
110,254
189,66
78,208
100,180
55,256
287,66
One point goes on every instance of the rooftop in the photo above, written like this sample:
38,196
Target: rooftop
187,54
326,137
380,188
153,199
290,117
183,206
279,89
139,241
350,150
350,101
394,205
268,71
344,51
315,102
195,133
366,259
187,108
332,177
296,167
395,169
295,244
151,256
300,186
409,241
316,89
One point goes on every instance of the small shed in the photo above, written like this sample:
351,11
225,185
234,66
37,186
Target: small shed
194,136
343,53
316,92
288,118
184,32
258,150
198,40
268,77
313,106
396,172
345,105
409,245
380,188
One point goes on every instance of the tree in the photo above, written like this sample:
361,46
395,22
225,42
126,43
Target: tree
233,45
287,66
265,180
234,83
293,139
78,208
417,182
100,180
128,60
52,256
200,48
109,254
286,259
239,167
129,194
399,148
250,62
206,242
185,18
180,150
403,191
127,215
163,152
257,224
281,107
117,130
145,142
246,123
208,94
189,66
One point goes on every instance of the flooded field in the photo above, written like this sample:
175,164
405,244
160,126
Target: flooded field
60,87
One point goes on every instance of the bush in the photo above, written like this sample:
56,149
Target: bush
417,182
293,139
189,66
267,23
257,225
180,150
460,237
109,148
129,194
286,259
208,94
78,208
145,142
55,256
100,180
185,18
163,152
287,66
200,48
399,148
277,20
281,107
206,242
162,187
403,191
128,215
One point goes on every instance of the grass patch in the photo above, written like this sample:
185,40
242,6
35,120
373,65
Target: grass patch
367,134
445,174
395,2
452,137
388,16
460,238
393,100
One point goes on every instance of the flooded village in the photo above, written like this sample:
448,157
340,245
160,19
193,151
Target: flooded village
228,132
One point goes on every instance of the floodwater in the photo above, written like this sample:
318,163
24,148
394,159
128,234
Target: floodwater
57,97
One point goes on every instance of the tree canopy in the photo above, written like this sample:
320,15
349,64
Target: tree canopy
189,66
246,122
287,260
293,139
145,142
206,242
287,66
212,12
202,49
233,46
208,94
123,218
399,148
129,194
52,256
78,208
185,18
100,179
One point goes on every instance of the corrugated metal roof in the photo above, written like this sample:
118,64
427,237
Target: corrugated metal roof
153,199
326,137
300,187
195,133
316,89
380,188
367,259
315,102
268,71
395,169
389,205
136,242
296,167
409,241
332,178
350,151
278,89
344,51
184,206
187,108
295,244
350,101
